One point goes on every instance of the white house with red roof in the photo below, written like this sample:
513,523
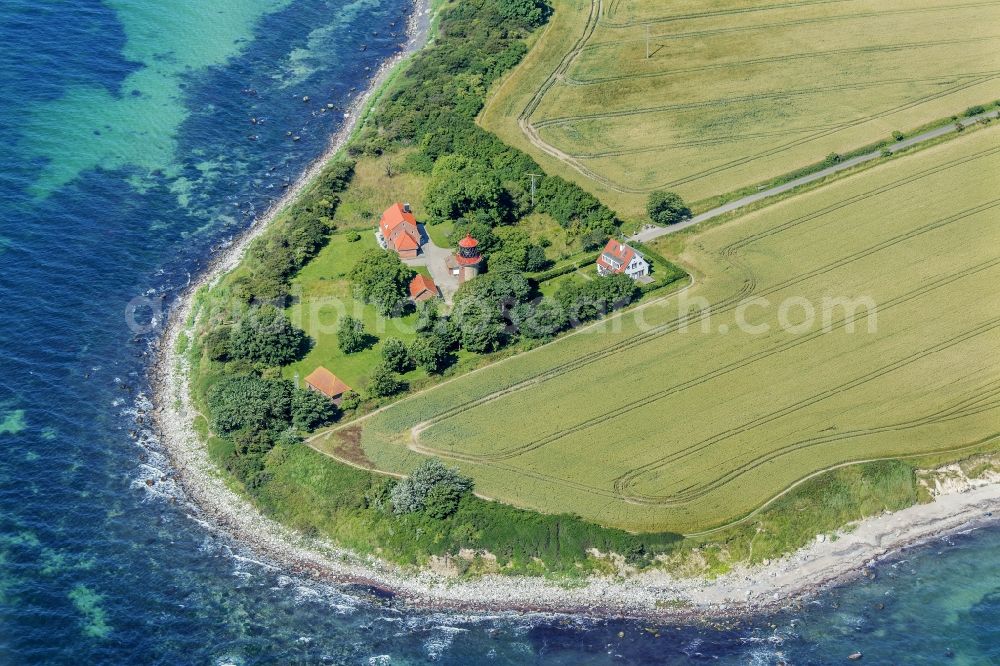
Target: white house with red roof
617,257
398,231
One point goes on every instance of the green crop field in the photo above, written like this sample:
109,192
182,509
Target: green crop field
642,423
735,93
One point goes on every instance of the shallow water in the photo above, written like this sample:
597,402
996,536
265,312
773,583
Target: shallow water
129,155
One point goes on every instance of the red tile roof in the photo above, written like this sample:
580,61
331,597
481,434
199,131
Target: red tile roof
617,252
405,242
400,239
327,383
395,215
422,287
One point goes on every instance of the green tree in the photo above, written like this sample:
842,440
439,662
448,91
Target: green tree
535,259
396,356
667,208
217,343
428,316
442,501
384,382
264,335
351,336
480,324
382,280
541,320
430,352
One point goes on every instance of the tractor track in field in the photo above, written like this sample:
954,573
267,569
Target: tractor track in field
804,55
618,494
531,130
776,150
721,12
784,24
604,417
624,482
777,94
972,406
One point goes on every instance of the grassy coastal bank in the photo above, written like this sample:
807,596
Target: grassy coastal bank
391,155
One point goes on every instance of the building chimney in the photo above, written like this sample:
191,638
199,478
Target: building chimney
406,208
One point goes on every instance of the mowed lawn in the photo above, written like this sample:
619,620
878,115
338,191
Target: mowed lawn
735,93
643,424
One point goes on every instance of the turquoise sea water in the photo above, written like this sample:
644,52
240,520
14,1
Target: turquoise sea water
129,155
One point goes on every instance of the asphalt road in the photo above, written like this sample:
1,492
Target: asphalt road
651,233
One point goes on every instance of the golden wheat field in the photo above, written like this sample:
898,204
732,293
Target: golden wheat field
735,93
856,322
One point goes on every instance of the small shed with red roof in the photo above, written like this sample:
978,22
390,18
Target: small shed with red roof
422,288
325,382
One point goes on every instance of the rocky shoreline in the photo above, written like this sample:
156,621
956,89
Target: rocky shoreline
647,595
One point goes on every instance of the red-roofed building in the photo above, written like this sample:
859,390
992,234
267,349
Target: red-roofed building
422,289
325,382
620,258
398,231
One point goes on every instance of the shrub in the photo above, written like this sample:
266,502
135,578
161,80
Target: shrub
311,410
975,110
217,343
412,493
593,240
667,208
350,401
353,237
898,136
379,495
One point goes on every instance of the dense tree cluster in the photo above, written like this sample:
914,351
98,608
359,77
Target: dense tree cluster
262,335
583,301
257,414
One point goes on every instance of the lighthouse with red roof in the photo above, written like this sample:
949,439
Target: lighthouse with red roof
466,262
